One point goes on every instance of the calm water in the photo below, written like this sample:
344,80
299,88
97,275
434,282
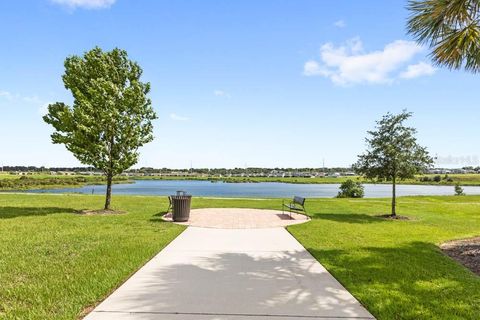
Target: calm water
255,190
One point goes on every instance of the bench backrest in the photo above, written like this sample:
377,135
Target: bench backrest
299,200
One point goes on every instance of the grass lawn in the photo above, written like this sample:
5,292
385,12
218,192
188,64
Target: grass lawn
54,263
44,181
395,267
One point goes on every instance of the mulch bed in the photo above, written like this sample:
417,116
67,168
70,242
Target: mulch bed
466,251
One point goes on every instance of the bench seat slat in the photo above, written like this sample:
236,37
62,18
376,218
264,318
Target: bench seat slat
293,207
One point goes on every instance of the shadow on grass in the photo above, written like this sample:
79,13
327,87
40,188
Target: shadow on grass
348,217
14,212
413,281
157,217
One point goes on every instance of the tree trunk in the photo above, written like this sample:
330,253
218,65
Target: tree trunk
394,200
109,192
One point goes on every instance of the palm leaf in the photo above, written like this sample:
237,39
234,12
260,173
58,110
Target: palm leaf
451,28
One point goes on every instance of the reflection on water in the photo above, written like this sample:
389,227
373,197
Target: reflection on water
256,190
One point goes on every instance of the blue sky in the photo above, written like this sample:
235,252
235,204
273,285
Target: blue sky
258,83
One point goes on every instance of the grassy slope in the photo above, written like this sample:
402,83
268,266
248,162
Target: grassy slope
54,263
394,267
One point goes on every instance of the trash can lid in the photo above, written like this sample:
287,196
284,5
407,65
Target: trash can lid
181,197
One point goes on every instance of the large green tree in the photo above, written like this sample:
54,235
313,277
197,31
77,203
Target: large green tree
111,116
393,153
451,28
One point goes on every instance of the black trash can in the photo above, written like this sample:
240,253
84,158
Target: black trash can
181,207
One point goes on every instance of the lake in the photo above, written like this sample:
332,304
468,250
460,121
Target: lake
255,190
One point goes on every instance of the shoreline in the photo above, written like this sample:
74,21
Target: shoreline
302,180
41,182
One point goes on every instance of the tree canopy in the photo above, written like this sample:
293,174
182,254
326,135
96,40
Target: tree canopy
111,116
393,152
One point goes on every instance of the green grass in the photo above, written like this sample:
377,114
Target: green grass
395,267
44,181
5,176
55,263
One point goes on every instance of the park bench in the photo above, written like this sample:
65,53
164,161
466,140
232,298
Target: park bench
297,204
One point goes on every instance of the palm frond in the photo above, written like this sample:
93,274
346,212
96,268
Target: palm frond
451,28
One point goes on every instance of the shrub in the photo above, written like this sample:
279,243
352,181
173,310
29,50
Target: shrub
459,190
437,178
351,189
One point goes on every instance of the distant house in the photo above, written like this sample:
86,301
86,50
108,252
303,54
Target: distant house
86,173
66,173
439,171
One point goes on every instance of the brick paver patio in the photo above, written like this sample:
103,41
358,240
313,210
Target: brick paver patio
240,218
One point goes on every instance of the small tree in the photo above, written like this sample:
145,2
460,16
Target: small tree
393,153
111,116
351,189
458,190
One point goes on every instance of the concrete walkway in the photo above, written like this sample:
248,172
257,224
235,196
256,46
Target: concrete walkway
208,273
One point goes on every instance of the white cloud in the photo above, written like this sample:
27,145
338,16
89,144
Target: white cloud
221,93
32,99
418,70
355,45
340,24
20,100
313,68
86,4
350,64
176,117
7,95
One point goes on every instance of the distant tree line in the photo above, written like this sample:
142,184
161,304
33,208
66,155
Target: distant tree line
248,170
45,169
208,171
